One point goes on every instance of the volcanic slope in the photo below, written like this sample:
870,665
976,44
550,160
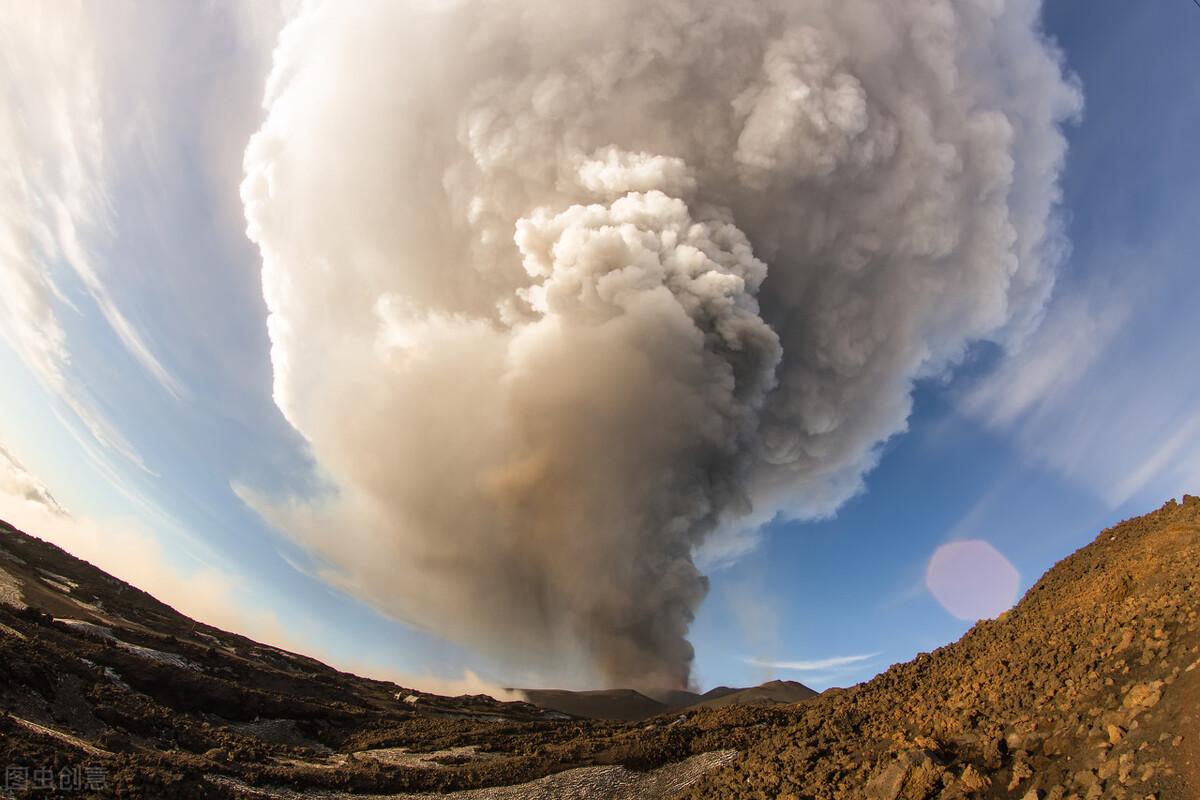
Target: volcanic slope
98,675
1089,688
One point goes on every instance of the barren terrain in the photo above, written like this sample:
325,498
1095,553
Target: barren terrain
1089,688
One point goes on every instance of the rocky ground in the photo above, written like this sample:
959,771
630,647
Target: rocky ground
1089,688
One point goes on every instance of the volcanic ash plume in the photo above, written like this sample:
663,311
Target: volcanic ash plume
561,292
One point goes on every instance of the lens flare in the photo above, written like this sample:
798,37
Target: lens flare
972,580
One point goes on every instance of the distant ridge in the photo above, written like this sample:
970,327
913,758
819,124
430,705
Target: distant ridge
767,693
610,704
627,704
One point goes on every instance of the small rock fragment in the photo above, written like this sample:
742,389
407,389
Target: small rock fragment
887,784
1020,771
1143,696
973,780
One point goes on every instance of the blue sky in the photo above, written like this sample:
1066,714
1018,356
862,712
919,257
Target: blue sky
145,430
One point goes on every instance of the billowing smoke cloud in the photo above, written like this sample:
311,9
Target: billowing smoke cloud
559,292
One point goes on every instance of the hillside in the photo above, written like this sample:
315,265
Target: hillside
1089,688
769,693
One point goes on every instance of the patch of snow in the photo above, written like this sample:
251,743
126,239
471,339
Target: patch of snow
100,632
115,677
59,582
10,591
89,629
159,656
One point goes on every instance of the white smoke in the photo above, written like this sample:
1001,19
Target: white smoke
559,292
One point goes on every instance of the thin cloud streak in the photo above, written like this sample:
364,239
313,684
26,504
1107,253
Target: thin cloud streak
837,663
1098,397
57,162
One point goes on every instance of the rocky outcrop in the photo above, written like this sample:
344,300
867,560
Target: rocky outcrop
1082,691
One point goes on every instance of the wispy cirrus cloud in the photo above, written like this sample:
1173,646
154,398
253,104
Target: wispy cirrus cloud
833,664
17,482
65,127
1106,392
1101,393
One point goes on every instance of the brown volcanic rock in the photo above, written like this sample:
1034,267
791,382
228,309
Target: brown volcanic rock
1089,688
